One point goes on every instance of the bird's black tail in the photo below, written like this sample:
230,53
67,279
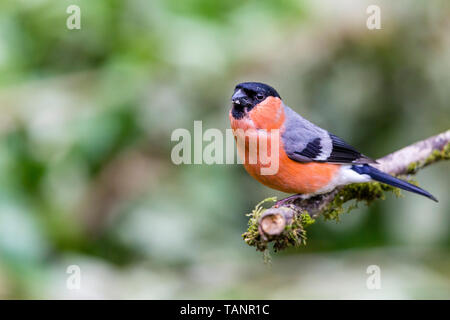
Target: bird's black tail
380,176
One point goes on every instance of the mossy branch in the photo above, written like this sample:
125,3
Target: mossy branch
285,225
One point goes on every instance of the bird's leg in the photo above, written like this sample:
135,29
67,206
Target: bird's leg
290,199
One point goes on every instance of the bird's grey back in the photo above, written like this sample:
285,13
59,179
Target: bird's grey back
299,132
305,142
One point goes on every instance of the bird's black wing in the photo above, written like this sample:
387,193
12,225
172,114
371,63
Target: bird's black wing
303,141
341,152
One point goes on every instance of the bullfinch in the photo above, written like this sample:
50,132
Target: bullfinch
311,160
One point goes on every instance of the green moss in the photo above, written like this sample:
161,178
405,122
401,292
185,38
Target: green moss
294,234
366,192
436,155
412,168
252,236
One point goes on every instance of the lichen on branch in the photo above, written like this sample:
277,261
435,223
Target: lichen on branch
284,228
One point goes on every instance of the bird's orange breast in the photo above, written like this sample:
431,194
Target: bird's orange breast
292,176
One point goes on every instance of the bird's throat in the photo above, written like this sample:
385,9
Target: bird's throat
269,114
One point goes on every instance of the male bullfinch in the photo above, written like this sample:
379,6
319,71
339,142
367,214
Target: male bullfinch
311,160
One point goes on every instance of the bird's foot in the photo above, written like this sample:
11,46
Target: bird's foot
290,199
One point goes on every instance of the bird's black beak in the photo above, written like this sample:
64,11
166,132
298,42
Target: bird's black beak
239,98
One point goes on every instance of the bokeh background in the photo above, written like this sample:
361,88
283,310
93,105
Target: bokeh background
86,117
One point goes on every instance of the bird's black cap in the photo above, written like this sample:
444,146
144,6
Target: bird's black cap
258,87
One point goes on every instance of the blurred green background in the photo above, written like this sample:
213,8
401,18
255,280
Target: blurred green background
86,116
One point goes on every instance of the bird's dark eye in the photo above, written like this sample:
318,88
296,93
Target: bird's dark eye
259,96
